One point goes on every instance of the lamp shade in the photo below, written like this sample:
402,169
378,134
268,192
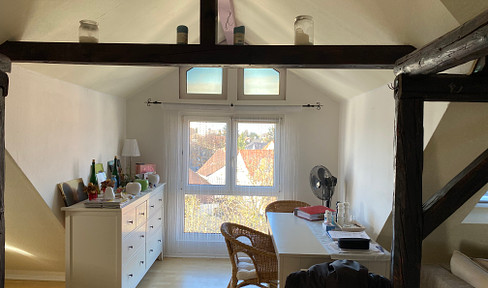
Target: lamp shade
130,148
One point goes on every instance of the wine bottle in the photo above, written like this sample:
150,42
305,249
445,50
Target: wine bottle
115,172
93,176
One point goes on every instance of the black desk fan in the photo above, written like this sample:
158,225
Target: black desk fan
322,183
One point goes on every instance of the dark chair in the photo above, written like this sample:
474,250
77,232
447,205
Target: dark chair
252,256
337,274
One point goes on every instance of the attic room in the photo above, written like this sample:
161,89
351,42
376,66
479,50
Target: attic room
60,116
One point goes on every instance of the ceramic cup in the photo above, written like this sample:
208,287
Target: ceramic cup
144,183
133,188
153,180
109,193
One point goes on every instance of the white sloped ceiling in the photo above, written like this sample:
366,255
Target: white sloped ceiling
371,22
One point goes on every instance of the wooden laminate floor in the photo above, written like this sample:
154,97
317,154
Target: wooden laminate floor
172,272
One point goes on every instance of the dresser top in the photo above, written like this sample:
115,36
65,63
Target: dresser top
139,198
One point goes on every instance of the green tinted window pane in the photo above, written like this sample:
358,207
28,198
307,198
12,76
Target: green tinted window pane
205,213
207,153
255,159
204,80
261,81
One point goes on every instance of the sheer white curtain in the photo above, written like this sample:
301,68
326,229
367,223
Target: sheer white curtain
217,167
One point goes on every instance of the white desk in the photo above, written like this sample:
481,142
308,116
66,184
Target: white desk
298,246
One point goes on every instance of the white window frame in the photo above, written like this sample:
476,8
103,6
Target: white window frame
230,187
240,87
194,96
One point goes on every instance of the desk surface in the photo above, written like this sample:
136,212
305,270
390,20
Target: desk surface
300,244
298,237
291,235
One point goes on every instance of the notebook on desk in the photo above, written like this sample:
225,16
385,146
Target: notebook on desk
335,235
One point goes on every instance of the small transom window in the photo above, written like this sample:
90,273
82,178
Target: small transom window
202,83
261,84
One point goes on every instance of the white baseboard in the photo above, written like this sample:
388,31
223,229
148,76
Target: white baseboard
35,275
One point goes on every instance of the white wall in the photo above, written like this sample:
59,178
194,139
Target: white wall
318,131
53,130
366,173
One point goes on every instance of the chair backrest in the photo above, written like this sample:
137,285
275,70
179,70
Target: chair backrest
285,206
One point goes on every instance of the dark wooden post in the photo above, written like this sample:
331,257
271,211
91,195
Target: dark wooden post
208,22
3,94
407,205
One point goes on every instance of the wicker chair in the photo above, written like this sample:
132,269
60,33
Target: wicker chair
252,256
285,206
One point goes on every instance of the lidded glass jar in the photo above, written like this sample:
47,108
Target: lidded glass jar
303,30
88,31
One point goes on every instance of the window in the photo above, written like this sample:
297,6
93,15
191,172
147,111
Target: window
202,83
261,84
231,171
484,198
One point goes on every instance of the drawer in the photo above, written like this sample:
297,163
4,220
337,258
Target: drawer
128,221
134,269
133,242
154,247
141,214
154,203
155,222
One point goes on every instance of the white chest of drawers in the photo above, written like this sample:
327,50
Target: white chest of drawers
113,248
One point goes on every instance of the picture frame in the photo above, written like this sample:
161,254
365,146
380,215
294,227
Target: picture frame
72,191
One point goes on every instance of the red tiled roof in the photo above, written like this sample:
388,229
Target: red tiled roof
195,179
213,164
252,159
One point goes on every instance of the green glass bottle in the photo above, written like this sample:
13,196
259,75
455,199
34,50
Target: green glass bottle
93,176
115,173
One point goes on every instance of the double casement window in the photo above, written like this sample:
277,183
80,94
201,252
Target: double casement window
210,83
230,171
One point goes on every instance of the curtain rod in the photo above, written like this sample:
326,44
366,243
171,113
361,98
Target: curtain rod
150,102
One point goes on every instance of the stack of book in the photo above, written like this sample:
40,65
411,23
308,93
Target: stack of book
103,203
312,213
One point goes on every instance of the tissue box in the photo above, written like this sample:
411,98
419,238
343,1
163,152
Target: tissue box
142,168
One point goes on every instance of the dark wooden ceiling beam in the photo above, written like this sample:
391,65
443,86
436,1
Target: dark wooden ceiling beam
286,56
406,248
3,84
465,43
208,22
452,196
447,87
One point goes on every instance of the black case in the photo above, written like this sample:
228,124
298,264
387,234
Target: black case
354,243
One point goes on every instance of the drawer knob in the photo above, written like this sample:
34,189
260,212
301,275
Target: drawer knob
151,250
160,200
131,275
130,221
142,236
159,218
151,226
160,241
152,206
142,213
142,262
131,247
